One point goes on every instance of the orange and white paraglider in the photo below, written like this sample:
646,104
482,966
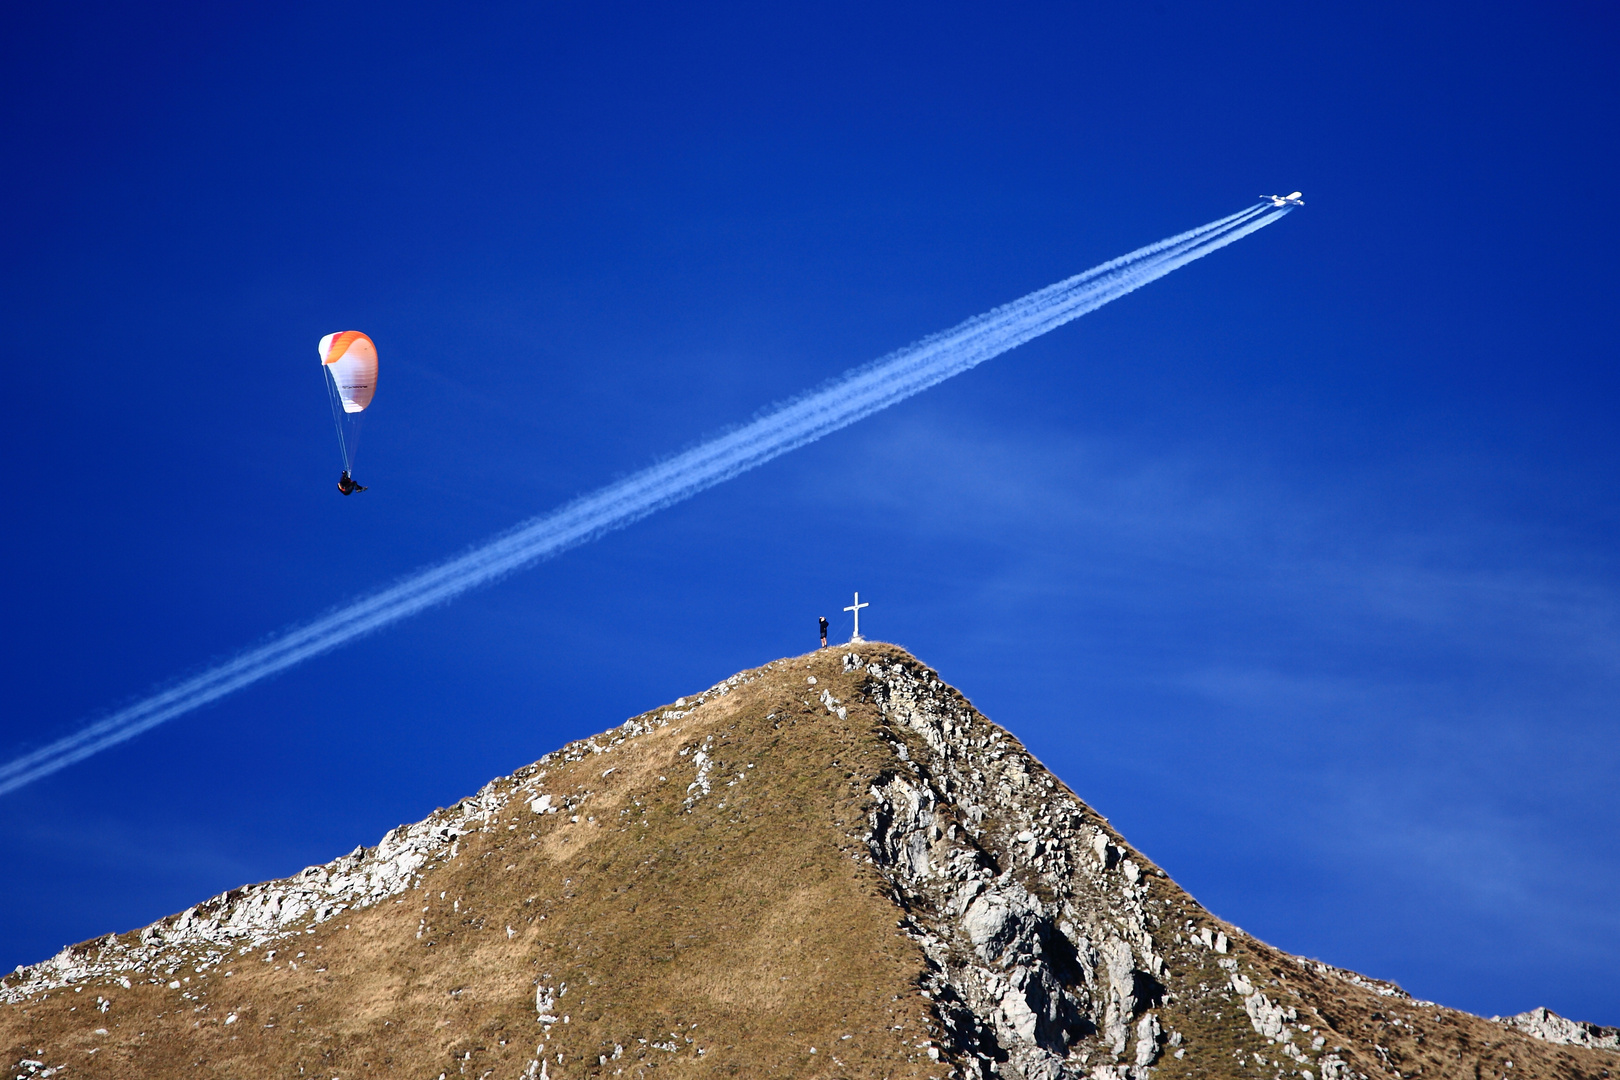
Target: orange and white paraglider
350,362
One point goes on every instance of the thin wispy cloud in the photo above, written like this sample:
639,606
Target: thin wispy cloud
1391,697
1050,500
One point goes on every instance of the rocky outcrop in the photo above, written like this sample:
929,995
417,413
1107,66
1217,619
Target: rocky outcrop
1030,914
1548,1026
249,918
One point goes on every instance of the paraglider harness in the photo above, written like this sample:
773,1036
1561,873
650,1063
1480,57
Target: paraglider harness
347,485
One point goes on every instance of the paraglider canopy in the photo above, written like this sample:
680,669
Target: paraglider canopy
351,360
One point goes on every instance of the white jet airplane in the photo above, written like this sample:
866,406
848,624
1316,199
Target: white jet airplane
1296,199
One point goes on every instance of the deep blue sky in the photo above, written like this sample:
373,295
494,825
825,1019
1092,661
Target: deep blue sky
1299,564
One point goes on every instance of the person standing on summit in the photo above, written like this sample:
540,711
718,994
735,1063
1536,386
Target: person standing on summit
823,631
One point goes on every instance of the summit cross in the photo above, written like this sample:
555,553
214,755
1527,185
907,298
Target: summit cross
856,608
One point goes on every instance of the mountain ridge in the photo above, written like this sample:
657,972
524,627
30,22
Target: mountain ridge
829,865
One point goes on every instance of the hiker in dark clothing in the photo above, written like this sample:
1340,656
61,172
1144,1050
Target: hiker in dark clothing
823,631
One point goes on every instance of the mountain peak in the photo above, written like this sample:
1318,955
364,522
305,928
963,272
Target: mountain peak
831,865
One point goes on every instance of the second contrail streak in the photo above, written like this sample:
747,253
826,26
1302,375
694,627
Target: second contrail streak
776,431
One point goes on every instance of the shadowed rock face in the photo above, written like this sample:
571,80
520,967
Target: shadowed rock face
828,866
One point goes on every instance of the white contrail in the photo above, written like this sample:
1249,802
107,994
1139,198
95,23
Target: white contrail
775,431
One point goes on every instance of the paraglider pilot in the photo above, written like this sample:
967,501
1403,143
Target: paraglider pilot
347,485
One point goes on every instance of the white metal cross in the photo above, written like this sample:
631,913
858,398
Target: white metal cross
856,608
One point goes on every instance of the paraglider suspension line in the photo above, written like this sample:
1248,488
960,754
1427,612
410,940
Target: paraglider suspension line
338,416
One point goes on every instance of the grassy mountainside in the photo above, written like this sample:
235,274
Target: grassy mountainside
829,866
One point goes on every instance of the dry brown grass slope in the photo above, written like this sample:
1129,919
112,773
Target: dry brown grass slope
830,866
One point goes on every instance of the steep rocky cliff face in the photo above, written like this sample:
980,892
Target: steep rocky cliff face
829,866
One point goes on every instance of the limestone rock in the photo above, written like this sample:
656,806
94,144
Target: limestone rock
1548,1026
